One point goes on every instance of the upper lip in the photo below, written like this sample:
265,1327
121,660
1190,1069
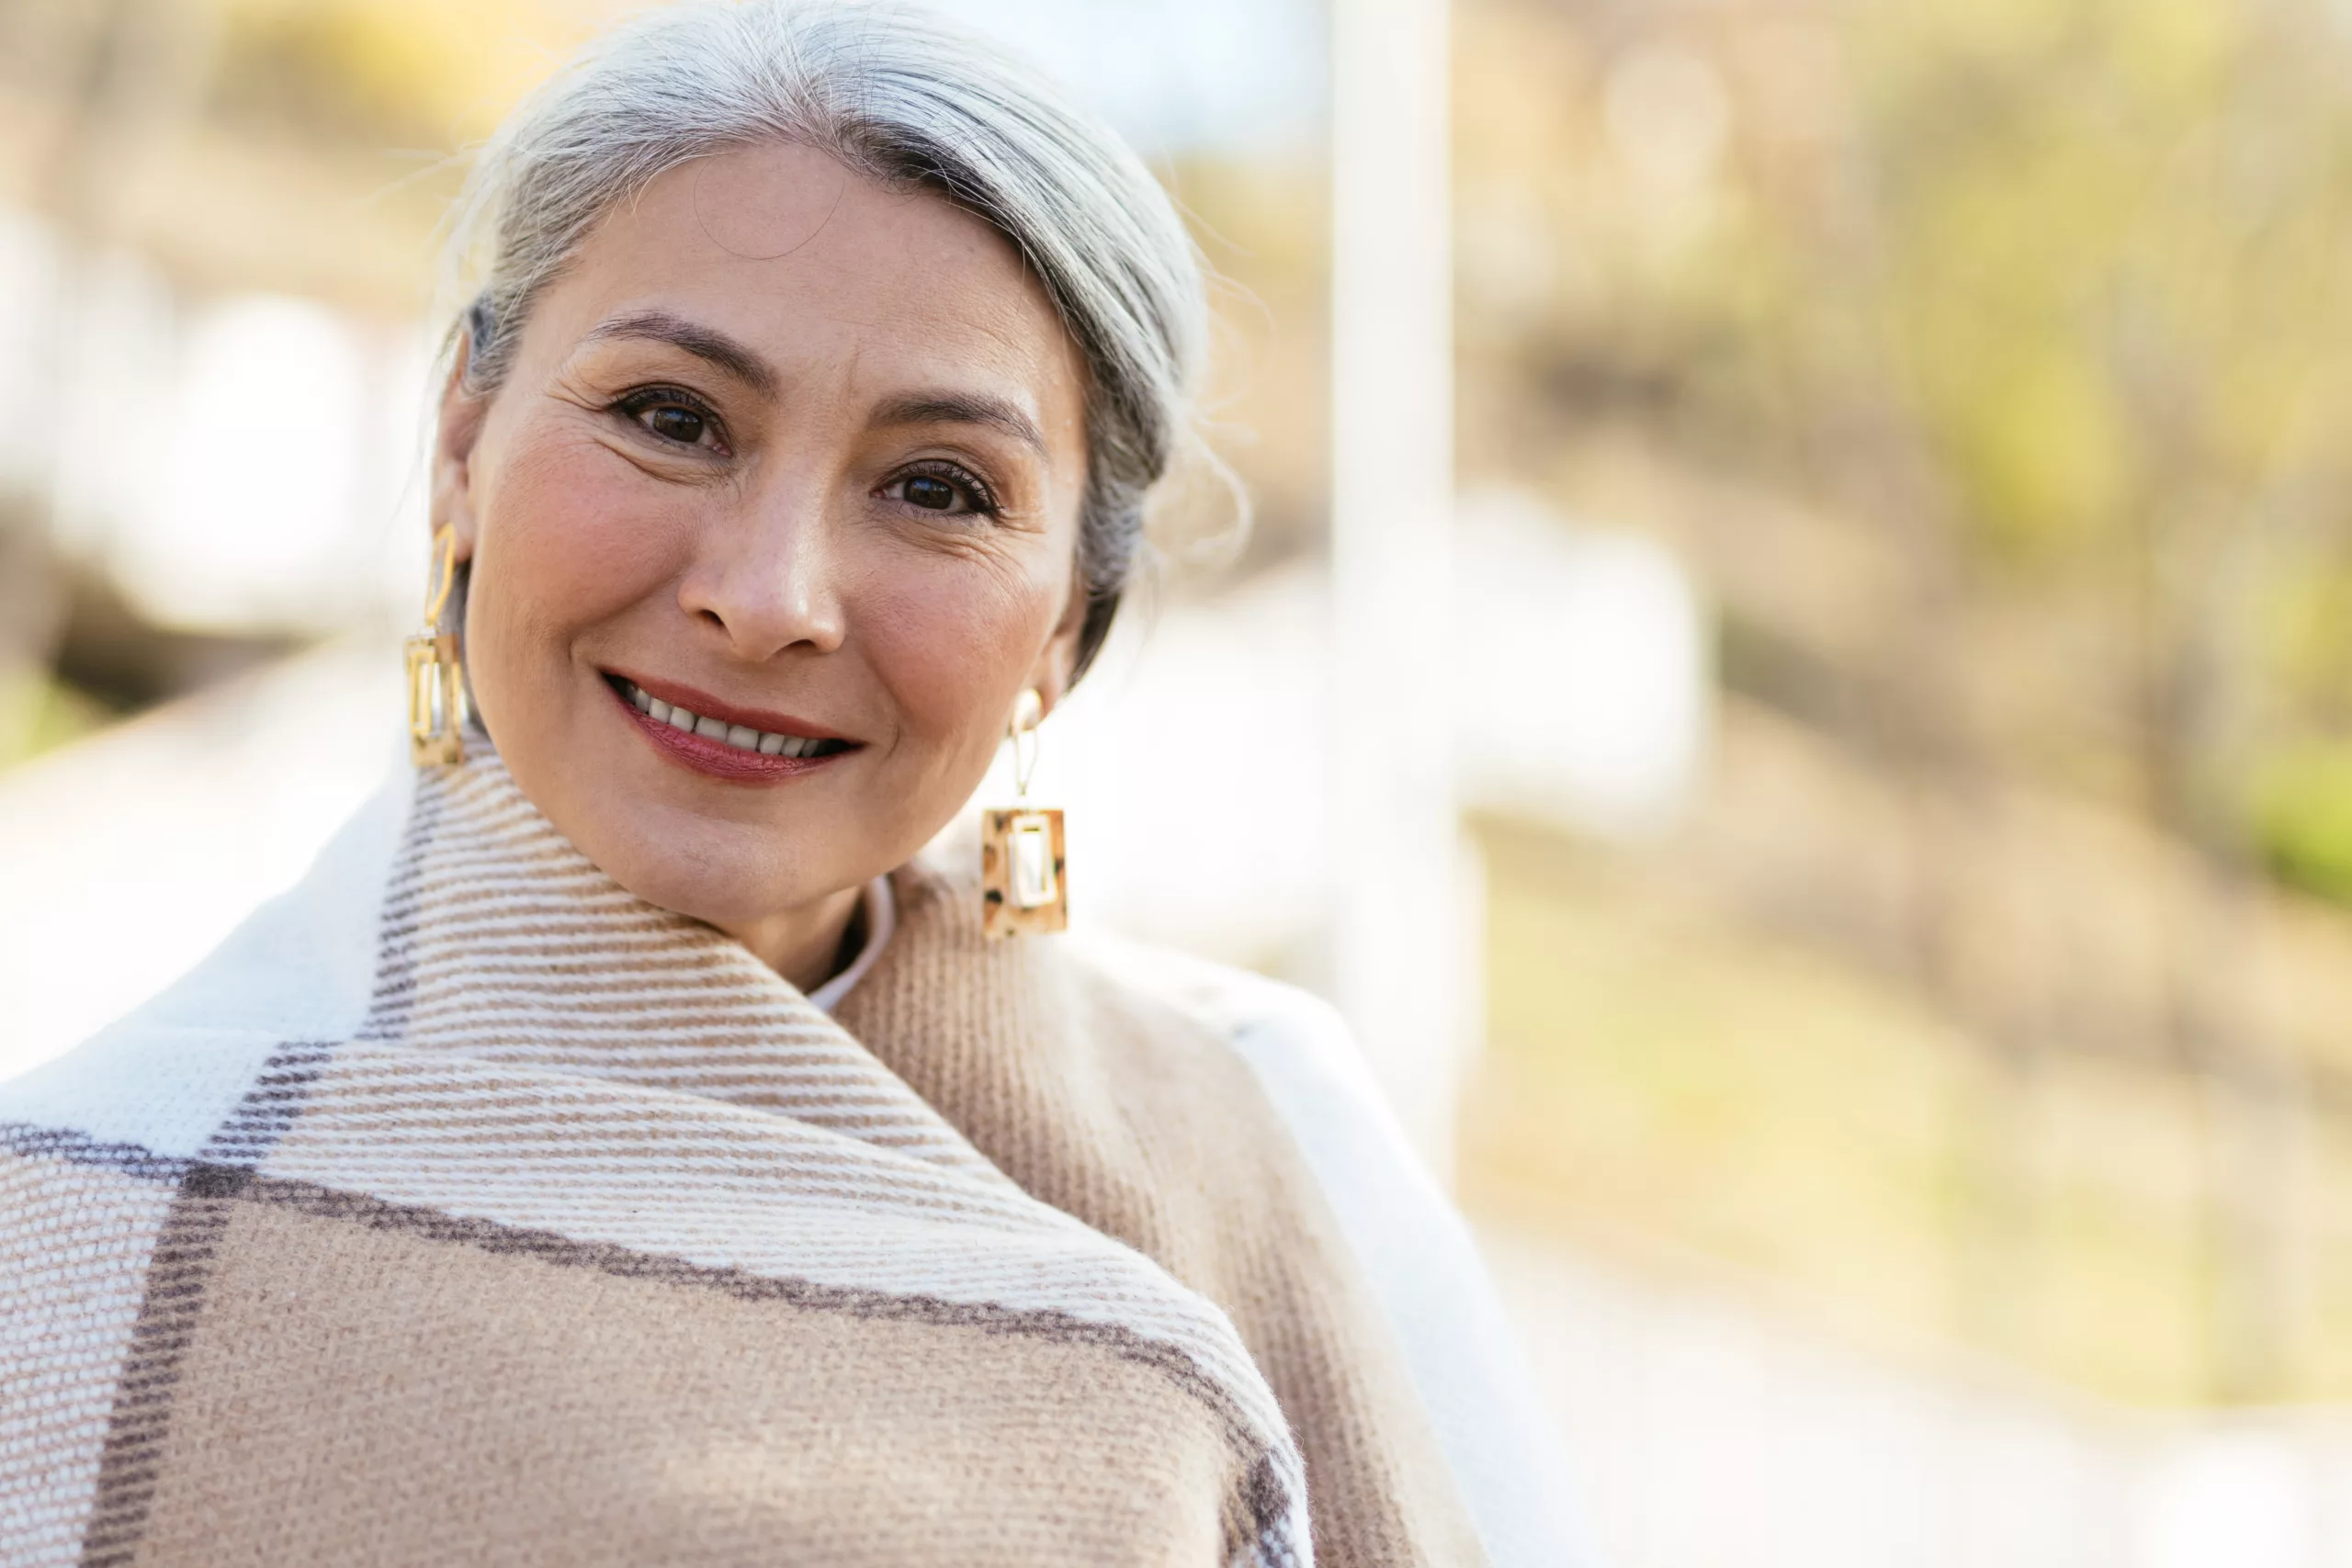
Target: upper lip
704,705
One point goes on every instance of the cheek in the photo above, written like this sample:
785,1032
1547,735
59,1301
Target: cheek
954,642
570,536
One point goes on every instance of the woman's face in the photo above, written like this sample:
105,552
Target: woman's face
795,459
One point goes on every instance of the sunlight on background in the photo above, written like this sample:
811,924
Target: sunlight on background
1898,689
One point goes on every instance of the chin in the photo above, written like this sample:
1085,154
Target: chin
722,873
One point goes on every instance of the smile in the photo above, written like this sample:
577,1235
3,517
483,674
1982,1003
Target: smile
720,744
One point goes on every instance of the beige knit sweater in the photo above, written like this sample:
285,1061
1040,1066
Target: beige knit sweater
466,1208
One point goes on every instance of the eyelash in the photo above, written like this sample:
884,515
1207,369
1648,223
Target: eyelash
976,490
635,403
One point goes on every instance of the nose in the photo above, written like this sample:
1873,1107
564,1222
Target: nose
767,577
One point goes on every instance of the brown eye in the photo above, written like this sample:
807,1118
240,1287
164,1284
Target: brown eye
932,495
946,490
674,424
676,416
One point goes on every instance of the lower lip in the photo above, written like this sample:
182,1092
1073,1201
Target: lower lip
718,760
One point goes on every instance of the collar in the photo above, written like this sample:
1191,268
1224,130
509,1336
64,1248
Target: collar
881,919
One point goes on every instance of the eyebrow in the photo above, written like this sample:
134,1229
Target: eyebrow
703,343
746,367
964,408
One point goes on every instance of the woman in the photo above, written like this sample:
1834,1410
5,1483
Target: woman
627,1148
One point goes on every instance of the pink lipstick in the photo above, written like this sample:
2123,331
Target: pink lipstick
722,739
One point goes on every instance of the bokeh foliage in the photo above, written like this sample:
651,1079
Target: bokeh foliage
1986,360
2049,298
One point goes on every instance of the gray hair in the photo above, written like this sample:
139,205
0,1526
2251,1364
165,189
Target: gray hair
900,96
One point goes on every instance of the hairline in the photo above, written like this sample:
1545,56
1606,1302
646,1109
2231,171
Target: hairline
910,101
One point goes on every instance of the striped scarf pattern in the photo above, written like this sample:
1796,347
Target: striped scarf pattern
594,1242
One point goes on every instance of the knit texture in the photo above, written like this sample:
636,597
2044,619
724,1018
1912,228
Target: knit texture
592,1242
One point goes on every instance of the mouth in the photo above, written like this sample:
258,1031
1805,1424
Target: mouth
721,740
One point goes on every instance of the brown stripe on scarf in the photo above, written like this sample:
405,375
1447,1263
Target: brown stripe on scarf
1143,1122
600,1245
82,1219
326,1376
176,1275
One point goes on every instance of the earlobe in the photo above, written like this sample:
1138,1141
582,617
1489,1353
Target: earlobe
1050,676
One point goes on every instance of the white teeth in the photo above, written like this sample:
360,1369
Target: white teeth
743,737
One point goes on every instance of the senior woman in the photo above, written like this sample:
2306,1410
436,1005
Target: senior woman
627,1146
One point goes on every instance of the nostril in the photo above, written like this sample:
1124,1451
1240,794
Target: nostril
714,618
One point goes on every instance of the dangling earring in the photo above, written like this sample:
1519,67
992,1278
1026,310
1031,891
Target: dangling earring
437,676
1023,873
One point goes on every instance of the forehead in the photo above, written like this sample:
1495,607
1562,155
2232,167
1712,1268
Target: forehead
828,273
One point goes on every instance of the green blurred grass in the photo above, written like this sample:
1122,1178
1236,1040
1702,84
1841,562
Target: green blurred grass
1664,1081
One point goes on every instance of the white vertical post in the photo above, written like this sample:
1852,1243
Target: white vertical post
1397,952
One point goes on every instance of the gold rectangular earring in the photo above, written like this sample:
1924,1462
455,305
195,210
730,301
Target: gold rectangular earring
1024,869
436,673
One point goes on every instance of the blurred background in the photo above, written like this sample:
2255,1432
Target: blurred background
1876,790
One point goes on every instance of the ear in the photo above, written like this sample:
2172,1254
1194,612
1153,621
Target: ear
454,440
1051,674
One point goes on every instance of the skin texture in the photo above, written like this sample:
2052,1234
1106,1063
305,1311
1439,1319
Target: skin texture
629,505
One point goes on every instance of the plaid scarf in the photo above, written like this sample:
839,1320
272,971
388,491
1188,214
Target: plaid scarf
474,1210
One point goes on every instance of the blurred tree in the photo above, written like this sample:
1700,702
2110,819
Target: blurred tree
2043,299
2105,250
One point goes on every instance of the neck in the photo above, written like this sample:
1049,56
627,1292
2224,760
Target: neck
803,945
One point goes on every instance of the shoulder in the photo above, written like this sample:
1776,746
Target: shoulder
300,970
1234,1003
1297,1045
1414,1249
1307,1064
